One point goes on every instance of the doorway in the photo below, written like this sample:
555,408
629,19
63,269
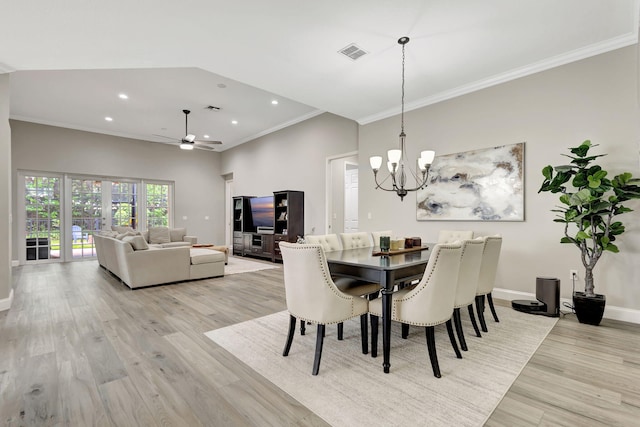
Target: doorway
350,197
339,205
228,198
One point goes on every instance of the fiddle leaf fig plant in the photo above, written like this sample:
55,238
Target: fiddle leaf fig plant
590,202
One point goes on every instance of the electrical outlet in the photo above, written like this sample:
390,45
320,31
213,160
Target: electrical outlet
573,274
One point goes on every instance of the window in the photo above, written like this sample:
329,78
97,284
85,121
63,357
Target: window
158,204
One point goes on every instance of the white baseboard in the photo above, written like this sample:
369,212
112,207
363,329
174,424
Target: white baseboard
610,311
5,304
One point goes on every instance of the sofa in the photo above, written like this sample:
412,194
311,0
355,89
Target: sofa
138,263
161,237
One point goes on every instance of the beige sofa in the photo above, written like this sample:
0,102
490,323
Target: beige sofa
161,237
138,264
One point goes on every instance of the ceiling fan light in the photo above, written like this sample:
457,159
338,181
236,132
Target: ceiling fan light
186,146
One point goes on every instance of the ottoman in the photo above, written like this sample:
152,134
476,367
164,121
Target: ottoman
205,263
211,246
224,250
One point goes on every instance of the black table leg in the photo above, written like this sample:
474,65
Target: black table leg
386,322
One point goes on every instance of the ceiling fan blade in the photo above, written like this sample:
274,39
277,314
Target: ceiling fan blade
167,137
203,147
200,142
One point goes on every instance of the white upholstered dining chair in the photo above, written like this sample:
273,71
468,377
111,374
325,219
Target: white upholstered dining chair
429,303
361,239
487,277
354,287
450,236
313,297
329,242
470,262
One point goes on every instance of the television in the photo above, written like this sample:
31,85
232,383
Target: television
262,214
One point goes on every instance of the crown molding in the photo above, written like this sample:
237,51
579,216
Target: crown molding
549,63
219,149
299,119
4,68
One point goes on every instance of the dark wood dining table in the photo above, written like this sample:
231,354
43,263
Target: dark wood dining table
387,270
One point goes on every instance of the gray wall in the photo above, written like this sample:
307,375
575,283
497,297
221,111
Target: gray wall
595,99
5,190
294,158
199,187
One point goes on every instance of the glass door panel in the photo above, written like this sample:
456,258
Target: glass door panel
86,216
42,217
158,203
124,204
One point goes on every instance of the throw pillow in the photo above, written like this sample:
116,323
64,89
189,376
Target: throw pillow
137,242
121,229
177,234
121,236
158,235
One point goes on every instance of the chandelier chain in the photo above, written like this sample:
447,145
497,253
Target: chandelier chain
402,102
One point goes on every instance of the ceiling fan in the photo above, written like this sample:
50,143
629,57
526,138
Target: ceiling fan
189,141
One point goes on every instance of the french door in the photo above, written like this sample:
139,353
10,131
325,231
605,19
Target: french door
96,205
60,214
86,216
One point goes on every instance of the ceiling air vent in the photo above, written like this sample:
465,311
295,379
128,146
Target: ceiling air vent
352,51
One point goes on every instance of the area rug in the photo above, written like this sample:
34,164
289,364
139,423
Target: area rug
352,390
238,265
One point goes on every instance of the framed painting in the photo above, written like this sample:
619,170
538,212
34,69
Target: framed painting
478,185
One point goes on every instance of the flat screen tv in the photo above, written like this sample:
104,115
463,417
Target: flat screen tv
262,211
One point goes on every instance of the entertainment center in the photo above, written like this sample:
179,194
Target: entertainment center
261,223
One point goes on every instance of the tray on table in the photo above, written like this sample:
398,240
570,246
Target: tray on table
378,252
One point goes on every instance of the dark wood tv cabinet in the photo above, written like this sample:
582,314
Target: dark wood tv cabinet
258,245
288,224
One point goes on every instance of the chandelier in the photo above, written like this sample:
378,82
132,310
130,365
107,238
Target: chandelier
398,168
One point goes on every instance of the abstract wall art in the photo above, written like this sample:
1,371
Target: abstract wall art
478,185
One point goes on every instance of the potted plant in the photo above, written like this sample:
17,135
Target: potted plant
590,201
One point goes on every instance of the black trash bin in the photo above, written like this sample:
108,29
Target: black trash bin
37,248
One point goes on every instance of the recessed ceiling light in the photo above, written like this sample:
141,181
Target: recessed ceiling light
123,96
234,122
206,136
109,119
222,85
274,102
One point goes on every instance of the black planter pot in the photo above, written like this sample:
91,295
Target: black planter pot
589,309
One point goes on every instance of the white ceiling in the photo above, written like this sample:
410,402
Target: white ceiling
71,58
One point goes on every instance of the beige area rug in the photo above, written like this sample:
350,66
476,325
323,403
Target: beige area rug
238,265
352,390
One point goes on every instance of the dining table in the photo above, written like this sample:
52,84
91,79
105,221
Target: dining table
388,269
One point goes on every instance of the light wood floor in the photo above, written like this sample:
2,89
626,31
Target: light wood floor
79,348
